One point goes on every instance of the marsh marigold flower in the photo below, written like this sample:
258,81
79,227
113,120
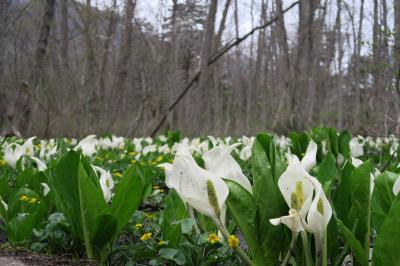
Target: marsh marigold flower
213,238
233,241
138,226
146,236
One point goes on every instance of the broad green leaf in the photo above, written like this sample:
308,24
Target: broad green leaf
174,210
243,209
23,215
344,144
386,246
355,245
79,196
172,254
327,169
382,197
268,199
342,195
128,196
102,231
360,210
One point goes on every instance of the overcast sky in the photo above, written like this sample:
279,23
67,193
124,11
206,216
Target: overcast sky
150,10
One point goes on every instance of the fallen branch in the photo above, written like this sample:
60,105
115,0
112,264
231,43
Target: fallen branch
218,55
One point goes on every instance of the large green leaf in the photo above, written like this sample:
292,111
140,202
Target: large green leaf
327,171
360,210
79,196
386,248
102,232
23,215
382,198
174,210
342,195
128,196
267,197
243,209
344,144
354,244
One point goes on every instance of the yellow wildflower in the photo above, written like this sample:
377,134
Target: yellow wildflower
146,236
138,226
159,159
33,200
24,198
161,242
161,190
149,216
213,238
233,241
118,174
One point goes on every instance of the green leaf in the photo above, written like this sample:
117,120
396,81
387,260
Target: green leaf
78,195
102,231
354,244
360,210
327,169
172,254
174,210
382,198
344,144
386,248
128,196
267,197
243,209
342,196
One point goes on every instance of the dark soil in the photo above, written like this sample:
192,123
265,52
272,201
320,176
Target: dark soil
34,259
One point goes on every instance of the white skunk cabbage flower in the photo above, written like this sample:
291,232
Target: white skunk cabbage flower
296,187
88,145
199,188
356,148
149,148
40,164
13,152
246,151
293,221
106,182
138,144
309,158
396,186
46,189
320,212
220,161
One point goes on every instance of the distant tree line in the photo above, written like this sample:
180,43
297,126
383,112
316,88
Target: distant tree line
68,68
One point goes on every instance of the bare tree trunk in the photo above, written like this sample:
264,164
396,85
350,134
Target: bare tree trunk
218,116
40,57
340,74
106,47
207,45
64,34
124,56
376,49
357,71
284,47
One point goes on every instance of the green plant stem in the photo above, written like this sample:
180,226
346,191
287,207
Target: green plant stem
306,248
291,247
191,214
319,250
325,250
238,249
